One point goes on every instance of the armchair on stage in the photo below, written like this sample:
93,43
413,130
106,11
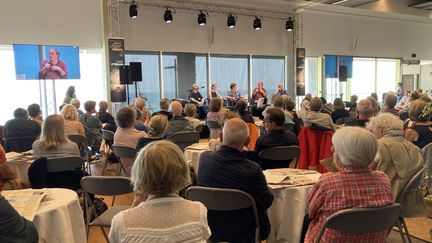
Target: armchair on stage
315,145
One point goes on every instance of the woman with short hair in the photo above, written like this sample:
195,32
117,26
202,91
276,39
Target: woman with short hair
339,110
355,186
215,113
157,129
53,142
72,125
419,131
399,159
245,115
140,105
190,111
317,119
93,124
158,214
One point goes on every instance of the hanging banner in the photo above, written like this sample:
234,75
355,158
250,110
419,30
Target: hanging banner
300,71
116,59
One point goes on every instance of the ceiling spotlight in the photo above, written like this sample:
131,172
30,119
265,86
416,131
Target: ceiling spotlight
257,23
133,12
289,24
202,18
231,21
168,17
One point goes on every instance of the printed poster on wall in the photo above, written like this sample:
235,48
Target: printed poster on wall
116,59
300,71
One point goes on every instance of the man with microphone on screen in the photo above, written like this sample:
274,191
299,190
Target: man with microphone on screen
53,68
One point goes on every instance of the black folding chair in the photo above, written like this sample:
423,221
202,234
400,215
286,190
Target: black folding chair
278,157
185,139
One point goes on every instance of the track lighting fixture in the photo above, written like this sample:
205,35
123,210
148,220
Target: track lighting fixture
289,24
168,17
133,11
257,23
231,21
202,18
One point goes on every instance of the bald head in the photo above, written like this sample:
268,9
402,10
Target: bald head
176,108
365,109
235,133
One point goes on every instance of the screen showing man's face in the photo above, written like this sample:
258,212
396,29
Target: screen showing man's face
53,55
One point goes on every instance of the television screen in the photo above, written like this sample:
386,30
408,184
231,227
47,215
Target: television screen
46,62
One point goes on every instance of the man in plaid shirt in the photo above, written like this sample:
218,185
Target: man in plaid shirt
355,186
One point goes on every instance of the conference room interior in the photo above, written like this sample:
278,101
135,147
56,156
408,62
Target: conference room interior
387,41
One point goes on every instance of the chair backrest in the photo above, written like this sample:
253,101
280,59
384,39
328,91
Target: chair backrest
221,199
289,127
213,125
362,220
19,144
64,164
108,136
78,139
199,128
185,139
124,152
106,185
412,185
279,156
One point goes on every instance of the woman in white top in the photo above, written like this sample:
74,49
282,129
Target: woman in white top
72,125
158,214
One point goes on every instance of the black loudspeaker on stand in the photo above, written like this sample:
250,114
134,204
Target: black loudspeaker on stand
343,73
136,74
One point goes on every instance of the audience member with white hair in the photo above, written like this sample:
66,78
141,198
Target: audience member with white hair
390,101
399,159
72,125
164,106
190,112
77,103
304,105
178,123
355,186
158,213
229,168
195,96
103,115
140,104
364,112
315,118
157,129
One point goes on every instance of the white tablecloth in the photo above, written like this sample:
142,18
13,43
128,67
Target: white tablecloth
287,212
20,164
61,219
193,153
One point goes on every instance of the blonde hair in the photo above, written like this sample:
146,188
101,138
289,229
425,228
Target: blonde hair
355,146
69,112
190,110
158,125
160,169
53,132
139,103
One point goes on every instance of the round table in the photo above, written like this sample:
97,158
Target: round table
60,219
193,153
21,164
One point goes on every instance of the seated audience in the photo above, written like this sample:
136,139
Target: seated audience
289,106
399,159
139,124
53,142
420,129
103,114
374,95
157,129
215,113
14,227
229,168
178,123
35,113
355,186
190,112
72,125
76,102
164,105
390,101
352,105
92,123
404,99
21,127
158,213
245,115
364,111
304,105
276,133
195,96
259,92
327,107
6,171
145,114
376,107
214,144
315,118
278,102
339,110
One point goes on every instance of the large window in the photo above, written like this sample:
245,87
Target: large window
201,73
226,69
312,76
170,76
386,76
270,70
363,80
149,87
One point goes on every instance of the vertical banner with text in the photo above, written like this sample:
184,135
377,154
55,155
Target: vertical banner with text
300,71
116,59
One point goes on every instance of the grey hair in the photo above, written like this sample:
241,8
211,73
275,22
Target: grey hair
235,132
387,122
355,146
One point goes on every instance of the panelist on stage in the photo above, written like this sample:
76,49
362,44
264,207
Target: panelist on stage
280,91
213,93
195,96
233,95
259,94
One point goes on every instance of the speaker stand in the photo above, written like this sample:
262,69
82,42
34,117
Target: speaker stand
127,93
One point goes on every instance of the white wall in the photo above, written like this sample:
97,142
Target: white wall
426,76
378,35
396,6
148,32
54,22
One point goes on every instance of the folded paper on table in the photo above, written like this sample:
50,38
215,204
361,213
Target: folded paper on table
26,202
199,146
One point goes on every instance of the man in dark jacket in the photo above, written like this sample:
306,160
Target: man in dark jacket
229,168
178,123
20,132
